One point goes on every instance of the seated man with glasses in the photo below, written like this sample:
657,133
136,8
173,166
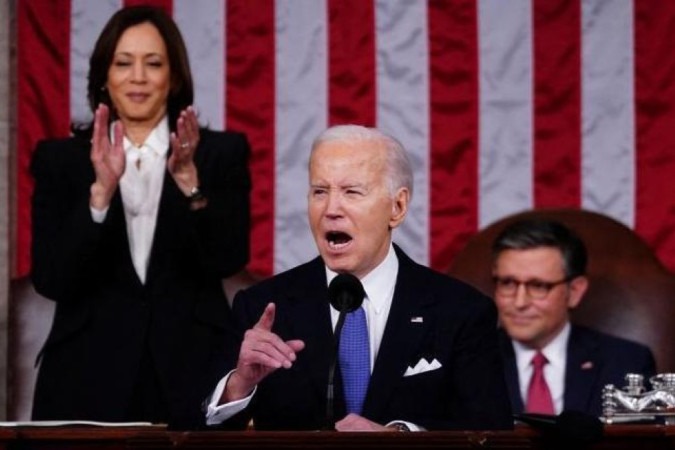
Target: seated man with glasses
539,272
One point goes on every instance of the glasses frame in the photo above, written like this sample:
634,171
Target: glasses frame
531,286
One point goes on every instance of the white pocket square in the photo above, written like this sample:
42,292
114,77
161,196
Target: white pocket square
422,366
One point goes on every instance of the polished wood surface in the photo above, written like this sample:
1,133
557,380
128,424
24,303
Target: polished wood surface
616,437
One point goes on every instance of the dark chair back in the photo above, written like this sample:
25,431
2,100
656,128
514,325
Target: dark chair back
631,294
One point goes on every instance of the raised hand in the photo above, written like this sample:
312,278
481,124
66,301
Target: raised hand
108,159
262,352
183,145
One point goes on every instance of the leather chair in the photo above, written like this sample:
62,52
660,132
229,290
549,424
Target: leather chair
238,281
631,294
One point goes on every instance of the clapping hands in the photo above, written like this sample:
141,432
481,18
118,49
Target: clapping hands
107,158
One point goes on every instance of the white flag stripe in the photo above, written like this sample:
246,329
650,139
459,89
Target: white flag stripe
608,113
506,108
301,114
402,49
86,24
203,29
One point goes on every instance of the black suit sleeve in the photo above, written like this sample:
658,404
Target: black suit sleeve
478,397
65,239
221,229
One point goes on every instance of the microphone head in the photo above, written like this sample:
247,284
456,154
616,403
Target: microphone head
346,292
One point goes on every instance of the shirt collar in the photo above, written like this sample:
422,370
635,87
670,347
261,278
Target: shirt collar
379,282
157,141
554,351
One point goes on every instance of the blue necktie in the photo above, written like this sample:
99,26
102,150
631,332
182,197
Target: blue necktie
354,356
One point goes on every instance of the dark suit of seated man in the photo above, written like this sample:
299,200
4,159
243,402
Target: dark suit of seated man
433,360
539,271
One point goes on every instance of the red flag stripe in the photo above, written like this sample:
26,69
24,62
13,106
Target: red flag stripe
250,109
655,93
453,59
351,67
43,91
557,103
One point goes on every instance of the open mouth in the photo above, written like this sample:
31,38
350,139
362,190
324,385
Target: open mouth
338,239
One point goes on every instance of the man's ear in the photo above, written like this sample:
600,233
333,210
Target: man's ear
399,207
577,290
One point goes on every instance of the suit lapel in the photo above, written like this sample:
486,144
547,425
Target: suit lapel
401,337
309,319
510,372
582,370
167,220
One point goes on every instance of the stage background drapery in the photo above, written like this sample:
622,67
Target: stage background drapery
503,105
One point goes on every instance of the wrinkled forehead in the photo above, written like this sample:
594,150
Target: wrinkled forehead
369,155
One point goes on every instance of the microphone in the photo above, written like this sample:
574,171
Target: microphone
568,425
346,294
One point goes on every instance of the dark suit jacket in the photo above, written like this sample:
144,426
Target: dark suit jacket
594,359
457,327
107,324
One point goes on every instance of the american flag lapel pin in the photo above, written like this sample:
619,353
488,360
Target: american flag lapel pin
417,319
587,365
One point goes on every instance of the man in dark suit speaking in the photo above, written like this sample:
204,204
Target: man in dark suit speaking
429,346
539,270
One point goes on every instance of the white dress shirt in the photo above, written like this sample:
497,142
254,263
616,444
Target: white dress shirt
379,286
141,189
554,371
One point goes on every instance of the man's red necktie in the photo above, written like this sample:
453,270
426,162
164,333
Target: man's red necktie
538,395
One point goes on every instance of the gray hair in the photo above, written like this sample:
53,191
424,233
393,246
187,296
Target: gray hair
399,170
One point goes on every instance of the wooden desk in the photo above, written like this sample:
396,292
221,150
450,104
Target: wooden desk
617,437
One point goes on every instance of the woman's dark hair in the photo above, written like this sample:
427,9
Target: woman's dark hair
181,93
534,233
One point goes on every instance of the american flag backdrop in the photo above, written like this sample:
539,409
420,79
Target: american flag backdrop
504,105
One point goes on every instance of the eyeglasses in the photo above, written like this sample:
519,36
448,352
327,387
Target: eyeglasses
535,289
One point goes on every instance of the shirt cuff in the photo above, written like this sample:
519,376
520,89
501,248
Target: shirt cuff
98,215
411,426
217,414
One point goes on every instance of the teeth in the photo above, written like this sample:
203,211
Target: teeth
336,246
337,240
